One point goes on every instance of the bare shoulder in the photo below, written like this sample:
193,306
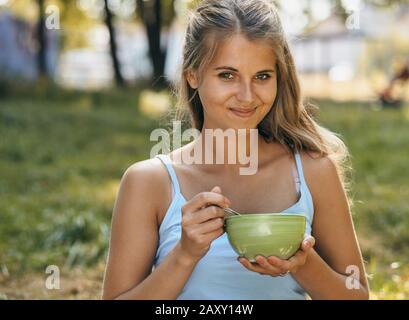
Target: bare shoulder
317,166
149,174
321,175
150,170
145,180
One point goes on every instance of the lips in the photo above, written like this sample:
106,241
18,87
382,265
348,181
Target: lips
243,113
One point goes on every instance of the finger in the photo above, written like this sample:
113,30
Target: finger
308,243
210,225
256,267
270,269
250,266
205,199
213,235
280,264
216,189
206,214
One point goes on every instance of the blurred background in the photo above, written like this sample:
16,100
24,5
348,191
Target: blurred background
84,82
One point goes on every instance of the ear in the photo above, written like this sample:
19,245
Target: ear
191,79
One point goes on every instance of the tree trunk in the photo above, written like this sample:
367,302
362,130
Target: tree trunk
42,41
119,79
151,15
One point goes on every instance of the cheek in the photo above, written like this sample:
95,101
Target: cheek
214,95
268,96
273,91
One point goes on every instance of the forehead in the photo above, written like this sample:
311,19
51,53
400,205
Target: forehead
238,50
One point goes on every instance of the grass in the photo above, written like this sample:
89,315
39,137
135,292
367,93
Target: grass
379,145
62,155
60,163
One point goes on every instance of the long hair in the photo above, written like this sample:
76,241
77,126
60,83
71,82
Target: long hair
290,121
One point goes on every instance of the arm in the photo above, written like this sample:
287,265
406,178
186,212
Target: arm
324,275
134,239
323,272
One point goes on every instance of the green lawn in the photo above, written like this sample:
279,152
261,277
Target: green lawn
62,155
379,143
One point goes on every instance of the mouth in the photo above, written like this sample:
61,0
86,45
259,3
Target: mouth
243,113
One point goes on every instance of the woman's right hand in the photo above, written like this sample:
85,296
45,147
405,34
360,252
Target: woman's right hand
202,222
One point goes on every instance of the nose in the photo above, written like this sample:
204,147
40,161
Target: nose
245,94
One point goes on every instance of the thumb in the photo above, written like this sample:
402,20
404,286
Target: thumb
308,242
216,189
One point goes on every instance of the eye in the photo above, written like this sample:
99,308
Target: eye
263,76
225,75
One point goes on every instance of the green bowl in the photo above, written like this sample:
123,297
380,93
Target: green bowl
266,234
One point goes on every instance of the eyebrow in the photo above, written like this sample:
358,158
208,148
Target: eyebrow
235,70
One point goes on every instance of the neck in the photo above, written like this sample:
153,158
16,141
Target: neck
229,149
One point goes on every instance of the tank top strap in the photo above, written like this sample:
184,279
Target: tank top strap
301,178
169,167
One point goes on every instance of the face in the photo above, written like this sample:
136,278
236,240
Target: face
239,87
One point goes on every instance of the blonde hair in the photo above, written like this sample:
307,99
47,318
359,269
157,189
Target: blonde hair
289,121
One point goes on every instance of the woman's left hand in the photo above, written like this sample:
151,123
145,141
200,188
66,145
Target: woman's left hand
274,266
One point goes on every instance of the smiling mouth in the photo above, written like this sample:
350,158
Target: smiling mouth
243,113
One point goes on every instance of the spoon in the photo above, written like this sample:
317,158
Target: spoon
231,212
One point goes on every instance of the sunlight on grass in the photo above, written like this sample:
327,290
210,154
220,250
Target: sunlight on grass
107,192
389,284
154,104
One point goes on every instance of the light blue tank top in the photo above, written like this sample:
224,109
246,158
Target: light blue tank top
218,275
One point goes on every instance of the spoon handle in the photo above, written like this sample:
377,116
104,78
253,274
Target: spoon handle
231,211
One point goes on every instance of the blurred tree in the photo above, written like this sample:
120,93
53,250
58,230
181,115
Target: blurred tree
113,45
154,14
42,41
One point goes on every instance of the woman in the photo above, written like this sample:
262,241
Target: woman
168,240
